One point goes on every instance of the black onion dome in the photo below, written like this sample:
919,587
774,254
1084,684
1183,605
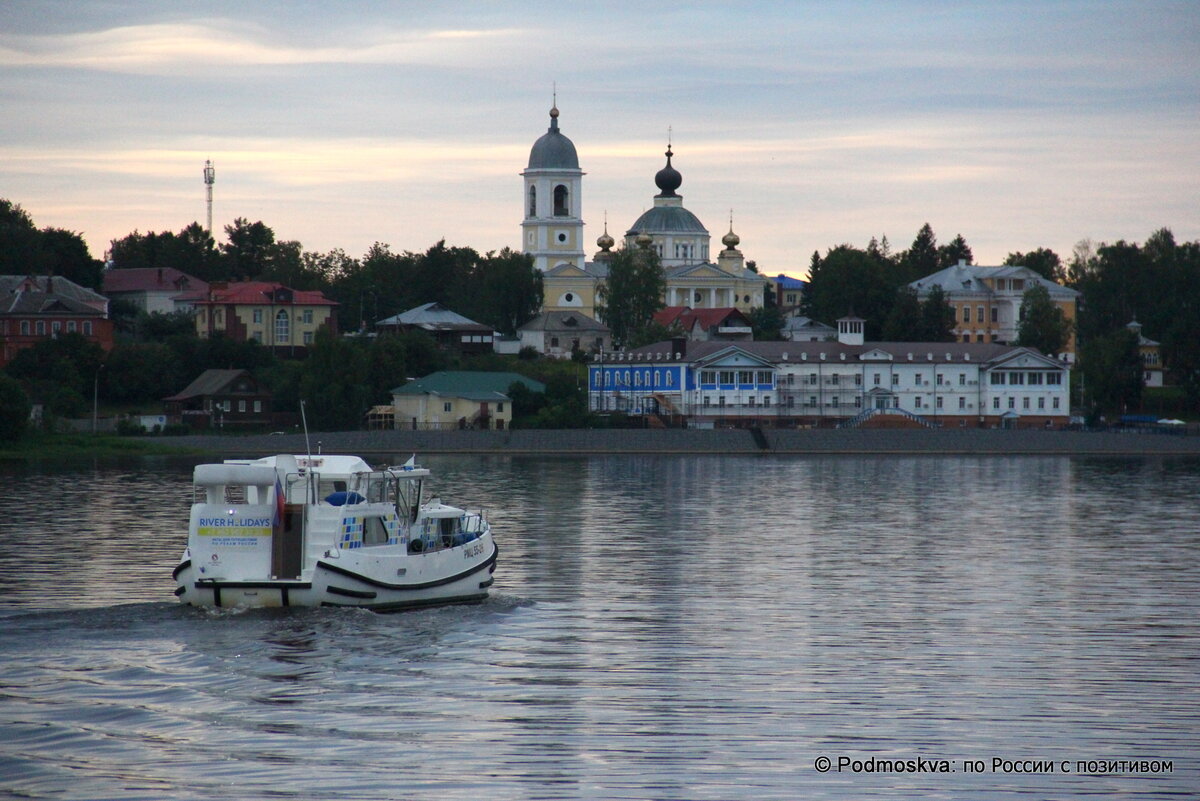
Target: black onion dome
553,151
668,178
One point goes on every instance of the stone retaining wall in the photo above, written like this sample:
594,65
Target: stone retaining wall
778,441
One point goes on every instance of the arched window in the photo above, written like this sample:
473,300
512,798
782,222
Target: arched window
532,202
281,326
560,201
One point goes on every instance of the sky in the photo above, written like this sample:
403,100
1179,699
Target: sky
1016,124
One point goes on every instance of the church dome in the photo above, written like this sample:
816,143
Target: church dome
668,220
668,178
731,240
553,151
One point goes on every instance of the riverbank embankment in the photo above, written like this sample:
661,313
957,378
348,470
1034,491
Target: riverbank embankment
732,441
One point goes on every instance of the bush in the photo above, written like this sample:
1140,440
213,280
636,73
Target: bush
14,409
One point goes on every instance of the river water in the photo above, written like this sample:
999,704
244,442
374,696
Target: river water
661,627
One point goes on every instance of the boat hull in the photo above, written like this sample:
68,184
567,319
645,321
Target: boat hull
456,575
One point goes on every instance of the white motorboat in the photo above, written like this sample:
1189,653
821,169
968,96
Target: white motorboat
329,530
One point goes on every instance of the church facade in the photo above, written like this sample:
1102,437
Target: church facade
552,233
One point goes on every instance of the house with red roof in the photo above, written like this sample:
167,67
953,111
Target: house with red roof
272,314
38,307
161,290
702,325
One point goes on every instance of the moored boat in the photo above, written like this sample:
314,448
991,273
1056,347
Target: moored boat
329,530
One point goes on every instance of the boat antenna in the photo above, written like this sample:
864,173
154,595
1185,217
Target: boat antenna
304,420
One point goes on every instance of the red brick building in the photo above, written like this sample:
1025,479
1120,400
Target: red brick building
38,307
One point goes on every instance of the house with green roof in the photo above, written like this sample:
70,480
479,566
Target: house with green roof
458,399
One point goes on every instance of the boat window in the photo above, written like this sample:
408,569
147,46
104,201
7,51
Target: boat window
235,493
374,531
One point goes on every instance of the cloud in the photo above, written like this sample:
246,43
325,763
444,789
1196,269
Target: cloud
172,48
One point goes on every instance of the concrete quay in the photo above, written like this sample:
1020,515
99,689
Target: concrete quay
731,441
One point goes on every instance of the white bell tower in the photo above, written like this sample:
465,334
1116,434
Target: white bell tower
552,229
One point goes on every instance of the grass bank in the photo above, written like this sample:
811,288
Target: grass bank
44,445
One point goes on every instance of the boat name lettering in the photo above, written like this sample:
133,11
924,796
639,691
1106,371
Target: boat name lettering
474,550
234,522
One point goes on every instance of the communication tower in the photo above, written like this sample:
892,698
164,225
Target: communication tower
210,175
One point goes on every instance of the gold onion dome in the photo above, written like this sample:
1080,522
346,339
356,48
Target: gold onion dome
731,240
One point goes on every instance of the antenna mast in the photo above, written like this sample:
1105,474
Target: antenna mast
210,175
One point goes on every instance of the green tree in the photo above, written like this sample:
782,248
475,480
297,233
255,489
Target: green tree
766,324
903,323
14,409
1112,371
632,294
1043,324
136,372
851,280
921,259
505,291
937,316
334,384
19,239
1043,261
249,251
69,361
954,252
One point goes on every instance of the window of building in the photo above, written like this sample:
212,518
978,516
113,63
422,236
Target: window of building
938,403
995,315
308,317
707,400
657,377
997,379
966,314
1025,402
1054,378
257,407
750,402
766,401
791,402
1035,378
670,379
941,379
532,202
607,376
637,378
25,328
87,328
721,400
41,327
447,406
962,379
962,403
833,401
877,377
708,377
628,383
764,377
745,376
308,337
727,377
500,407
1054,402
995,403
1012,403
858,379
895,379
979,313
242,406
70,326
561,205
1016,378
282,326
833,379
812,378
55,326
1042,403
812,400
258,317
917,402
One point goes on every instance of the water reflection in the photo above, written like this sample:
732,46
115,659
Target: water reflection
661,626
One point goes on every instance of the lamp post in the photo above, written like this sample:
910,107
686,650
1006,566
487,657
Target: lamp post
96,397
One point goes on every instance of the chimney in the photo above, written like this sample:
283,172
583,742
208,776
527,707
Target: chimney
679,345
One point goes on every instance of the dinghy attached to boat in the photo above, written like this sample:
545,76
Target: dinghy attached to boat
329,530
